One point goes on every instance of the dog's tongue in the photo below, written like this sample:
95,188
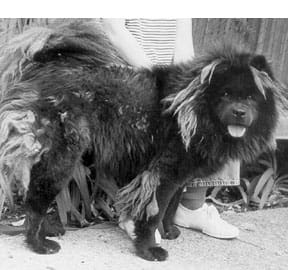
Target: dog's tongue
236,131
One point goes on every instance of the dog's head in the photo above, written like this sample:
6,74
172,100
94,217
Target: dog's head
231,91
236,93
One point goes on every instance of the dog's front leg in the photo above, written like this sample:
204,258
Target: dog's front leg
170,231
145,244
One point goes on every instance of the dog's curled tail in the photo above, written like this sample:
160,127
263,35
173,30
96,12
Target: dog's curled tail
84,41
17,53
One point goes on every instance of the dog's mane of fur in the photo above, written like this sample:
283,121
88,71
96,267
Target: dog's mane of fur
188,100
61,87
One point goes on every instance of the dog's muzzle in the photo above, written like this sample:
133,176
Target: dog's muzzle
239,116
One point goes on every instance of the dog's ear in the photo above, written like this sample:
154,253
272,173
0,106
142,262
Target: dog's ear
183,105
207,71
260,63
263,82
262,73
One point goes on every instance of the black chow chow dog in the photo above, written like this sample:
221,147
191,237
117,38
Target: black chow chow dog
150,130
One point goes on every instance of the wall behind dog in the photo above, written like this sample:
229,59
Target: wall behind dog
264,36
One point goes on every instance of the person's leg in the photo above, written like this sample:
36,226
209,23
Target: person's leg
194,213
194,198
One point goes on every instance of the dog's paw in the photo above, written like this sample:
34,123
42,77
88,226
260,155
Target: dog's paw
153,254
171,233
44,246
52,229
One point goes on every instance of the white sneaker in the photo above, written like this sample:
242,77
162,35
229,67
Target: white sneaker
207,220
127,225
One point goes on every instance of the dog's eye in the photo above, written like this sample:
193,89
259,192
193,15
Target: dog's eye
249,98
226,94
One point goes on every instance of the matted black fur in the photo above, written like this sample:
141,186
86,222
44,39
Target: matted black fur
174,122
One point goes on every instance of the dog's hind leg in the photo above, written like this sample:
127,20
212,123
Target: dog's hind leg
145,244
41,193
170,231
47,179
52,225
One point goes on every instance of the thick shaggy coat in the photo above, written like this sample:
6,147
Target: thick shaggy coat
152,130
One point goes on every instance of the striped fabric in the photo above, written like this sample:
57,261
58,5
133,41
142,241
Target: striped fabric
155,36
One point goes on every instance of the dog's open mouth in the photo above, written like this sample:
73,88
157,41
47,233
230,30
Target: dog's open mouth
236,131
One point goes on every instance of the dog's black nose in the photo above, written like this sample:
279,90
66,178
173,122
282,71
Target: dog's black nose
239,113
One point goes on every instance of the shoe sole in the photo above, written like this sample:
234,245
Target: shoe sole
209,234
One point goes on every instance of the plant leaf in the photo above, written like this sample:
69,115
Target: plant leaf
253,185
243,194
266,192
266,163
215,191
80,176
283,189
254,200
281,178
246,183
225,204
262,181
64,204
2,200
105,208
109,186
